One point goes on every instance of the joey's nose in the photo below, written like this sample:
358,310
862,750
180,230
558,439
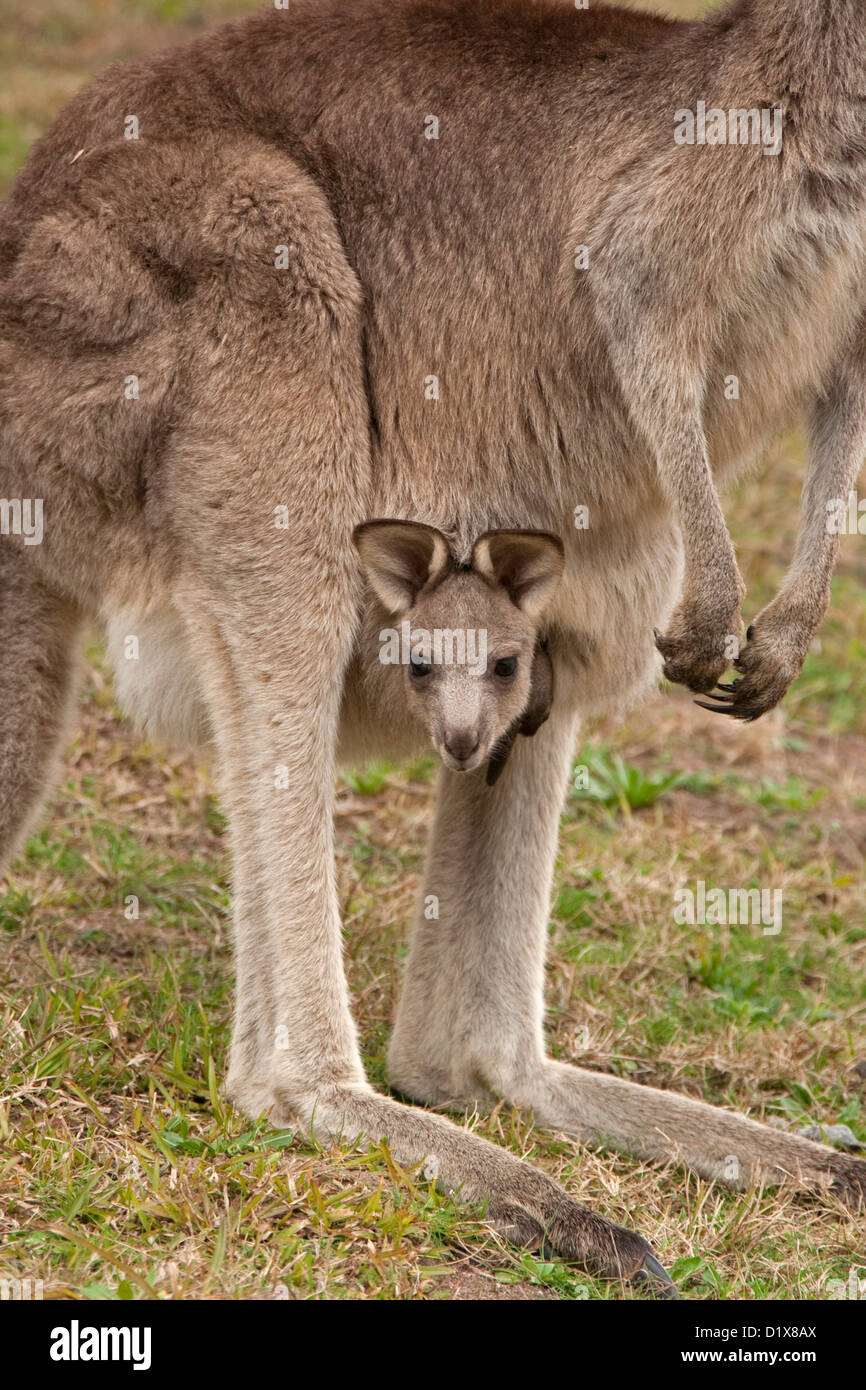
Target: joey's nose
461,744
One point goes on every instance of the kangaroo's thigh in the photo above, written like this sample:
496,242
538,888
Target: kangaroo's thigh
176,292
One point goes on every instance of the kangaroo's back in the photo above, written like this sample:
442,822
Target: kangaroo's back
341,86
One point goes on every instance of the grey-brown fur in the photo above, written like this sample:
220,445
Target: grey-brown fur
303,387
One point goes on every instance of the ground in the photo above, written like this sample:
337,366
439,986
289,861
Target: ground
123,1172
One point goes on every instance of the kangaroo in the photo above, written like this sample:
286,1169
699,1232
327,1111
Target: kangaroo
462,263
475,672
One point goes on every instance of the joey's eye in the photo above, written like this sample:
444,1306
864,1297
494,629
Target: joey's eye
419,669
506,667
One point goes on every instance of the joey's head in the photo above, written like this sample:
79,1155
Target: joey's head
467,635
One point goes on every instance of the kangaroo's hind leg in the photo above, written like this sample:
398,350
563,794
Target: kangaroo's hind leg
37,688
470,1021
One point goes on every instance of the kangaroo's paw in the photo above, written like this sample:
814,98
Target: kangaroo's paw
772,659
698,648
522,1204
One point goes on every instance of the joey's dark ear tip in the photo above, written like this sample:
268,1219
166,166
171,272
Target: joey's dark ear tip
395,524
364,528
375,523
551,538
525,533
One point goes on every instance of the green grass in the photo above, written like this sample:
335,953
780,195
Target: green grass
601,775
123,1172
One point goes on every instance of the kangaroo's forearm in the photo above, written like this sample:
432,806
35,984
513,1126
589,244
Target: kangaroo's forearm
837,450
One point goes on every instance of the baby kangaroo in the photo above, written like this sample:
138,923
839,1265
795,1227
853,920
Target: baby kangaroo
476,671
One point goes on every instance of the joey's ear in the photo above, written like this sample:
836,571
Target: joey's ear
535,714
540,692
528,564
399,558
501,753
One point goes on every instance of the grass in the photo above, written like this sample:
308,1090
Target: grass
124,1174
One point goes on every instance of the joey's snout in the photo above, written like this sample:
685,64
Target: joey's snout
462,748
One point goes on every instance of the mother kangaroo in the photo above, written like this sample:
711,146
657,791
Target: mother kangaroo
457,262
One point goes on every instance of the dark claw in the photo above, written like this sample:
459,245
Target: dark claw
653,1278
746,713
727,708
